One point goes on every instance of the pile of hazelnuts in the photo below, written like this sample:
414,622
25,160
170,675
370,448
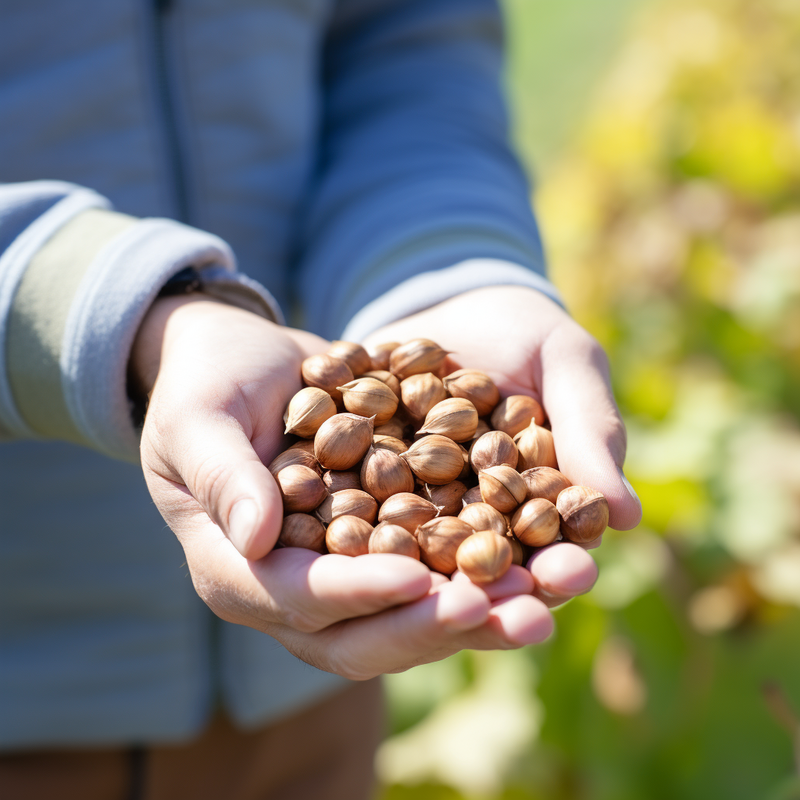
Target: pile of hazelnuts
393,455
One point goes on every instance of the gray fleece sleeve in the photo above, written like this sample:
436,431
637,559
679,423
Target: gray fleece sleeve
76,280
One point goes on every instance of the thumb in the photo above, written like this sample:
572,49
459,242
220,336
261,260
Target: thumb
214,459
588,431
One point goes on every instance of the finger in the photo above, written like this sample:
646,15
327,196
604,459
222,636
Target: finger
212,456
560,572
313,591
589,434
293,587
453,617
517,580
518,620
427,630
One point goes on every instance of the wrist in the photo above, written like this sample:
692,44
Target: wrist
148,346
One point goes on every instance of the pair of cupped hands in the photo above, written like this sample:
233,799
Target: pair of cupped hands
221,378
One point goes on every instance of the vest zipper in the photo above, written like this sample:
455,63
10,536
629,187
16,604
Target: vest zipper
167,108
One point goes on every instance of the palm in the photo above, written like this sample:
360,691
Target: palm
529,345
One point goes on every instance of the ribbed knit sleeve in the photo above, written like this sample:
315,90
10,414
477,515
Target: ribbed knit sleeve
76,279
418,196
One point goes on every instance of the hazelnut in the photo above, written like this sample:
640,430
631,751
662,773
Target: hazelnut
407,510
339,480
447,497
348,536
342,441
381,353
439,540
584,513
303,530
348,502
326,372
307,410
493,449
484,557
515,413
435,459
502,487
475,386
544,482
301,488
454,417
483,517
353,354
420,393
536,522
384,473
387,538
369,397
536,448
418,355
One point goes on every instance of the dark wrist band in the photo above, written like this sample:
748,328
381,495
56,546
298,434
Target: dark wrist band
186,281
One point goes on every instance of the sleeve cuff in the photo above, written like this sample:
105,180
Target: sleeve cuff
67,379
429,288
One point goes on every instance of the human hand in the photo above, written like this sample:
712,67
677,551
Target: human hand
529,345
222,377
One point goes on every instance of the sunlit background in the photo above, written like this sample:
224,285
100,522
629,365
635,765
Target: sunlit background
665,140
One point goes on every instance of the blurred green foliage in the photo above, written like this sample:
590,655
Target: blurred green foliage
671,213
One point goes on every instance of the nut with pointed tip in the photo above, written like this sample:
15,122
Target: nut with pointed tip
348,502
475,386
407,510
369,397
303,530
515,413
483,517
384,376
435,459
307,410
584,513
348,536
544,482
381,353
447,498
384,473
418,355
387,538
339,480
357,358
536,448
502,488
342,440
301,488
420,393
484,557
493,449
455,418
536,523
326,372
439,540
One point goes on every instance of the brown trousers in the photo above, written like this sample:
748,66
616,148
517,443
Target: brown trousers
324,752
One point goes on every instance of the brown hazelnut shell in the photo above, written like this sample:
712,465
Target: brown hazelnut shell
348,536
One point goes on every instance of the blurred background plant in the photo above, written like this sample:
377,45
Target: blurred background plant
666,138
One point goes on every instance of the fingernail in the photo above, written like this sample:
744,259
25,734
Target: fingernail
631,490
242,524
